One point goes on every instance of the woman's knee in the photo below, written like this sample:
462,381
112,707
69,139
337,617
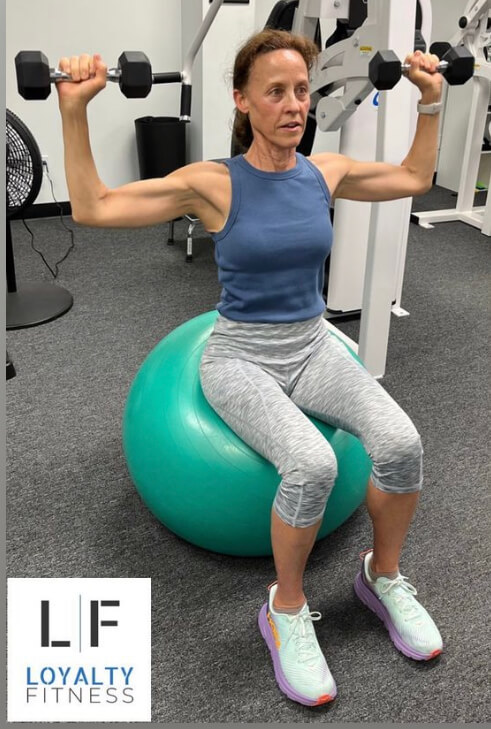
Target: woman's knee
304,490
315,464
398,461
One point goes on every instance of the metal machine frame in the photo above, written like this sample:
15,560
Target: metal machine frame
475,36
370,239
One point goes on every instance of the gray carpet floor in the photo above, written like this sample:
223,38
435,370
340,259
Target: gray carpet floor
73,511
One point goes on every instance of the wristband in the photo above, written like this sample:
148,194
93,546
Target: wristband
430,109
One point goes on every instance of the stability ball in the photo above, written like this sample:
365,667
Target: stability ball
195,474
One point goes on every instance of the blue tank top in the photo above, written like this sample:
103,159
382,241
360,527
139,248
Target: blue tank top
272,251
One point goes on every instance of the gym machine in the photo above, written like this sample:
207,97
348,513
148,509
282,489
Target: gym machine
370,239
475,35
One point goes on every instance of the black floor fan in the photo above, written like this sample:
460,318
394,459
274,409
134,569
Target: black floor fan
32,303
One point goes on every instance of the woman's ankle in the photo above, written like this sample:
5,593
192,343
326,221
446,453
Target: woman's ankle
288,601
390,571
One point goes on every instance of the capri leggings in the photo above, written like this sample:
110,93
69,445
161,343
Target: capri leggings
264,379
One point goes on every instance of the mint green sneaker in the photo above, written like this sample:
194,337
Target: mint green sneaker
300,668
410,627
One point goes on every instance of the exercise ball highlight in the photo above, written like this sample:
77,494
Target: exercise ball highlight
195,474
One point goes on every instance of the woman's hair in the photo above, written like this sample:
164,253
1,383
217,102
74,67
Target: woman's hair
264,42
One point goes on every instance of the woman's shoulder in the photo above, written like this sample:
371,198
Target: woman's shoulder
218,167
211,184
332,167
206,176
325,161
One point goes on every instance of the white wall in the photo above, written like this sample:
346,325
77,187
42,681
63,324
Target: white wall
109,27
191,18
212,79
232,27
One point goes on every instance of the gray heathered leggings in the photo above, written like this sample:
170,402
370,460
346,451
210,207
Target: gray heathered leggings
262,378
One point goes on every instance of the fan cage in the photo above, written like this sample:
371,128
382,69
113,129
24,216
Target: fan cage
24,166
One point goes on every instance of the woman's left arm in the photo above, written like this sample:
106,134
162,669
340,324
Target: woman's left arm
378,181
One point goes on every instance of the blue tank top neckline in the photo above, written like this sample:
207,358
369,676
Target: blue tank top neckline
270,175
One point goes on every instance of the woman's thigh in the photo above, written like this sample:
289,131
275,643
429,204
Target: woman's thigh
337,389
257,409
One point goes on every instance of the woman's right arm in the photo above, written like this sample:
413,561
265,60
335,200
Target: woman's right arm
137,204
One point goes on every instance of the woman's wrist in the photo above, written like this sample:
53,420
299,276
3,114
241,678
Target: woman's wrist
73,108
430,97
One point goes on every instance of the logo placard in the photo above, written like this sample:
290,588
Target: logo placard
79,649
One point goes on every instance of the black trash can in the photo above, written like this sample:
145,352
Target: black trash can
161,145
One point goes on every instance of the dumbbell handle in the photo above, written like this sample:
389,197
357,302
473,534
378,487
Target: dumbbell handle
114,74
441,68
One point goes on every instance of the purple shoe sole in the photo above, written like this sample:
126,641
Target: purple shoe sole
369,598
265,629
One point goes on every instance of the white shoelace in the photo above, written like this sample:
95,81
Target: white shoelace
302,632
404,598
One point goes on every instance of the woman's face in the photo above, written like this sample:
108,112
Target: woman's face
277,97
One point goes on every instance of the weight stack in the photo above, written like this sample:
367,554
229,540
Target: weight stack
161,145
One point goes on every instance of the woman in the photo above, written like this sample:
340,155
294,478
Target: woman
270,359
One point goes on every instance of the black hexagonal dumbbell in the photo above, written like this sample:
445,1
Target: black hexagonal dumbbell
385,69
34,75
459,65
135,74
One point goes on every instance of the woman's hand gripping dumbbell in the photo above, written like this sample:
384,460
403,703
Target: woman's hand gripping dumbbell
133,73
88,76
385,69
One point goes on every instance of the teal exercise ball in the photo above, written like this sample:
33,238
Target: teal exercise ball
195,474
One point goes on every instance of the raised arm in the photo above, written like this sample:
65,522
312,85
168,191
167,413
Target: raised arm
378,181
142,203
